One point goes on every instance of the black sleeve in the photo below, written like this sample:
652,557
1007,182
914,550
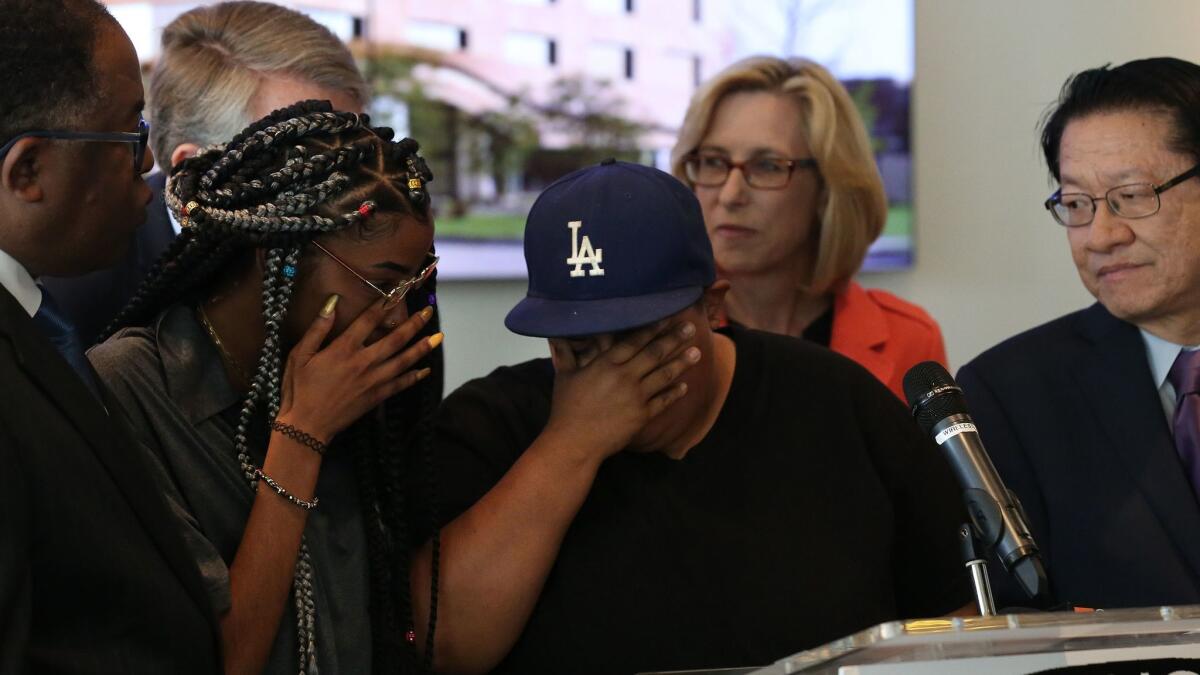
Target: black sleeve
930,578
482,428
1008,455
15,571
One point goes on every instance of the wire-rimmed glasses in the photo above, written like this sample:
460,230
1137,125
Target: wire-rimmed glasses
395,296
1135,200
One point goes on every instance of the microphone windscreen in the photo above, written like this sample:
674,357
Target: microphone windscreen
924,379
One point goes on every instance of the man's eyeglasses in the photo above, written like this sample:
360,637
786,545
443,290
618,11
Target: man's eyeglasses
392,297
764,173
1136,200
140,140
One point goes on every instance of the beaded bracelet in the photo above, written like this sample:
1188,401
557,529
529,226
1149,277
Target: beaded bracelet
307,506
299,436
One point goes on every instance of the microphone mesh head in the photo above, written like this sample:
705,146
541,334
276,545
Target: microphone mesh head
925,378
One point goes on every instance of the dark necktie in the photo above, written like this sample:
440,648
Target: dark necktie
62,334
1185,377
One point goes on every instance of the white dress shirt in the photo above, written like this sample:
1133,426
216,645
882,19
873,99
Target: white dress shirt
174,223
16,280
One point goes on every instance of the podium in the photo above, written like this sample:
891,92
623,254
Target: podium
1152,641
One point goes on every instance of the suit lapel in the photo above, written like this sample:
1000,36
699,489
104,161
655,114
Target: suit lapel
109,438
1114,378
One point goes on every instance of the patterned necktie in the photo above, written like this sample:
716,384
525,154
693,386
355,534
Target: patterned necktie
62,334
1185,377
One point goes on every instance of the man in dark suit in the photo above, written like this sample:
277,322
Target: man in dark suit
1093,419
222,67
95,576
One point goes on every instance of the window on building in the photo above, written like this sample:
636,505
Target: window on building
697,15
435,35
609,6
359,28
697,71
629,6
605,60
628,63
530,49
462,39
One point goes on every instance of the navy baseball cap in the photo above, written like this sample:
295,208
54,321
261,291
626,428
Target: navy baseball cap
611,247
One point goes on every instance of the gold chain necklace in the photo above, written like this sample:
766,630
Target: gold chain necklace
216,339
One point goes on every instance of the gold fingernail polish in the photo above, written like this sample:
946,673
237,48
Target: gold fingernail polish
426,313
330,305
435,340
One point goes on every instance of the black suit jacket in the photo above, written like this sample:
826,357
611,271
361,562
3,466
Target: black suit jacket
93,300
1071,417
94,573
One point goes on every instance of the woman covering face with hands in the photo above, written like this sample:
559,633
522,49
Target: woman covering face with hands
277,363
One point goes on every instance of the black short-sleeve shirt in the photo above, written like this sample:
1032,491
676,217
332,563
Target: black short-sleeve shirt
812,509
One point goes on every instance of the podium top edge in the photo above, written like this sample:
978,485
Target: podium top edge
1145,621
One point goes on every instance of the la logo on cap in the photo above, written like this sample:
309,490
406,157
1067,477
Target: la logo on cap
584,254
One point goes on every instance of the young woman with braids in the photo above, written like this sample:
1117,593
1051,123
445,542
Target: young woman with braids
261,339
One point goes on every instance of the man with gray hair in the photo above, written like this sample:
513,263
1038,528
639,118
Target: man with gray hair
222,67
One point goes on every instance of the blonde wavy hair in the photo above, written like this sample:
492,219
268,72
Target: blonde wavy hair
214,58
852,206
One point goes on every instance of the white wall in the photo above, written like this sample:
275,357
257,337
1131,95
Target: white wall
990,261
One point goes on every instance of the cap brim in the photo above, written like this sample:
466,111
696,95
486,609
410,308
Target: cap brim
542,317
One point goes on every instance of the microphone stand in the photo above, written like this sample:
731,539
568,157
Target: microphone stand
977,566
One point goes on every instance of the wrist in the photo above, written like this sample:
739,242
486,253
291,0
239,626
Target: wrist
314,436
571,450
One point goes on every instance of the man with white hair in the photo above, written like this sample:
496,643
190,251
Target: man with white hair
222,67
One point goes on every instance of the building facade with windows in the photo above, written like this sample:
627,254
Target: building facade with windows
653,52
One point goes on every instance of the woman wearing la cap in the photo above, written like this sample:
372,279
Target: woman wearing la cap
792,224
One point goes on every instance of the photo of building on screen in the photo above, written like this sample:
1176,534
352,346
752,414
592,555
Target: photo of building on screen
506,96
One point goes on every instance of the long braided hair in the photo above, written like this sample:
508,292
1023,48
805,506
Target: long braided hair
295,175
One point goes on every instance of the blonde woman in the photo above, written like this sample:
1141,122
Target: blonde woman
782,165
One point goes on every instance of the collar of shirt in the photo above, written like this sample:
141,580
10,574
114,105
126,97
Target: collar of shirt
1162,355
16,280
192,366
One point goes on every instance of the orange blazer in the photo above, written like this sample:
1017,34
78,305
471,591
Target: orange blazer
884,334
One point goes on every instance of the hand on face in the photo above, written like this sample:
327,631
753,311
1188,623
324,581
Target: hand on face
607,392
326,389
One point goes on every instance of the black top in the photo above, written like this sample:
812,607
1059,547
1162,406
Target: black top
820,331
813,508
1071,417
